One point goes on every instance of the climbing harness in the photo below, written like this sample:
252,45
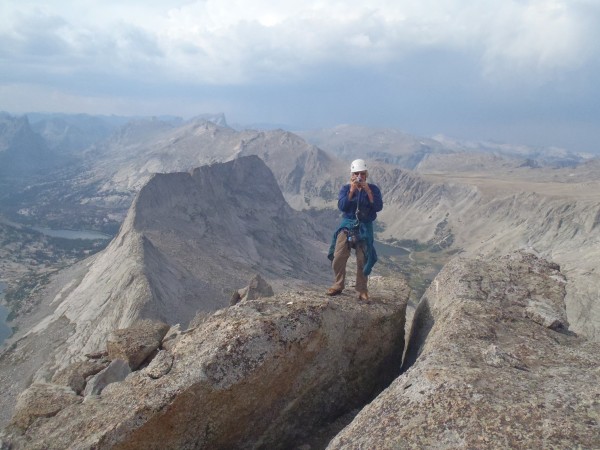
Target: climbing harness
353,233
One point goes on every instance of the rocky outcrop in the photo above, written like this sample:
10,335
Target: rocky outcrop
76,374
486,372
257,288
127,349
41,400
82,378
116,371
264,373
135,343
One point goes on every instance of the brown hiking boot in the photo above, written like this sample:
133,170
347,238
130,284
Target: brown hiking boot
363,296
333,291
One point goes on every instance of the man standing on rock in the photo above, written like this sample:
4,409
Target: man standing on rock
359,202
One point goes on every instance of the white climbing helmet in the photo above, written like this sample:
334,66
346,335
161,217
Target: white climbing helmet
358,165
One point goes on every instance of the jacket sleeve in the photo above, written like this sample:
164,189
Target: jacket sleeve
377,198
344,204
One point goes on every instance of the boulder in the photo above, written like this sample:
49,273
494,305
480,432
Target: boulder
41,400
136,343
172,337
116,371
266,373
75,375
480,373
547,315
160,365
257,288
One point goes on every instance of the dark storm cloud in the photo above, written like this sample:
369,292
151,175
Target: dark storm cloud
460,67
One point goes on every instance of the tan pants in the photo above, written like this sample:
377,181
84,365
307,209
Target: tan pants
340,258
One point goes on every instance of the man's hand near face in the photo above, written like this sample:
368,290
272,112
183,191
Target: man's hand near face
354,185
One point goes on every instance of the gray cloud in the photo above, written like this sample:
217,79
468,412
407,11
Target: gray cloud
428,66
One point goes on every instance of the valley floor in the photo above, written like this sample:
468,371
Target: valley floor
29,258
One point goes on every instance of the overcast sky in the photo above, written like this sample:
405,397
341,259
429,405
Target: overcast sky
517,71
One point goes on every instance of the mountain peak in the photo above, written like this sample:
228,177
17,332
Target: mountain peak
217,119
189,240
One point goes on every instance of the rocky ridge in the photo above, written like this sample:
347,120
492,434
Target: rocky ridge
491,364
483,214
269,372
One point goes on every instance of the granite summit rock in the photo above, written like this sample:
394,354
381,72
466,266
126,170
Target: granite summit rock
483,372
264,373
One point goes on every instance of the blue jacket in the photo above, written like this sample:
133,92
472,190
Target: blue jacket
360,200
369,213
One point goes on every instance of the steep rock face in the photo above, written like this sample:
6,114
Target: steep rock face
264,373
486,372
240,216
187,241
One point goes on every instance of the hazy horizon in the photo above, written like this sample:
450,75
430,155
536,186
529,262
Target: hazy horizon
519,72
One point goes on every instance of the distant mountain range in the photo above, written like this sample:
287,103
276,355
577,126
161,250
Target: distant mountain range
411,152
96,189
92,166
